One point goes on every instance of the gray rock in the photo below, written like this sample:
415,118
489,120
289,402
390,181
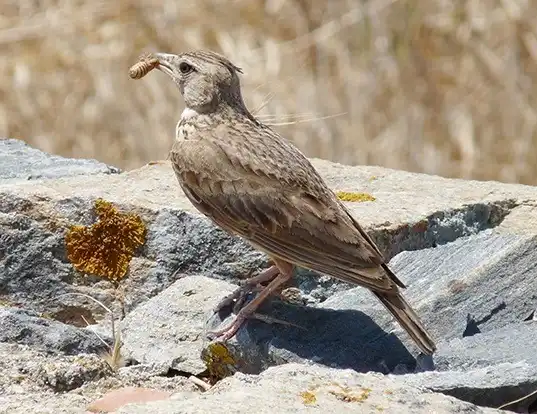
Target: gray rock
42,403
488,369
460,286
33,269
408,213
35,381
29,370
489,276
504,345
492,386
181,243
295,388
35,272
169,329
475,284
335,338
25,327
20,162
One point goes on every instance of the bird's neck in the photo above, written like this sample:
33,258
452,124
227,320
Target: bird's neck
194,121
208,118
193,116
189,113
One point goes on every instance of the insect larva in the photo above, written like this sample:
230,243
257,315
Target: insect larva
143,67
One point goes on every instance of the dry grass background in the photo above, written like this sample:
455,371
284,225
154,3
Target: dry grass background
438,86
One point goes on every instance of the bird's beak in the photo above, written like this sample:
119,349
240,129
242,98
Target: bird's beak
165,63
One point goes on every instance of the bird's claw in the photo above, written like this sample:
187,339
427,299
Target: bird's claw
237,297
251,285
232,328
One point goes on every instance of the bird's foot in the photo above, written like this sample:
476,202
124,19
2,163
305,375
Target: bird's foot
251,285
278,276
232,328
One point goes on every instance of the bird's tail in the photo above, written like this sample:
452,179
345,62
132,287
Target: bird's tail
405,315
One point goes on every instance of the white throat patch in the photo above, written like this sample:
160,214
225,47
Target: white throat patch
188,113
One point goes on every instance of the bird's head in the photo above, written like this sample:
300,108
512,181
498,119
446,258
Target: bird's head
206,79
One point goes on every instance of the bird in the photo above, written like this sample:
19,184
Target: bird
253,183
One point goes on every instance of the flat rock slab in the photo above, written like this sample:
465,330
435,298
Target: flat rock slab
26,327
297,388
410,211
19,162
475,284
169,329
488,369
480,283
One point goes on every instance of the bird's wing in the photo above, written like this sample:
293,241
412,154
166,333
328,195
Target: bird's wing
270,194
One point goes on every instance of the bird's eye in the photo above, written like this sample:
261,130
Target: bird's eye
185,67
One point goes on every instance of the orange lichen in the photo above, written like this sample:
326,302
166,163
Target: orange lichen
106,247
356,197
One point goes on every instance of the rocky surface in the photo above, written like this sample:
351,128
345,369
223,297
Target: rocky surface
466,251
35,381
175,334
295,388
489,369
28,328
20,162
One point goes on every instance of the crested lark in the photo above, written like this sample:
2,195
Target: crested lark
253,183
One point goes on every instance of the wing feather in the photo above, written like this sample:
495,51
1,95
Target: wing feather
288,213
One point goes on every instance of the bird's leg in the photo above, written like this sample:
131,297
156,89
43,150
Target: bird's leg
285,273
247,286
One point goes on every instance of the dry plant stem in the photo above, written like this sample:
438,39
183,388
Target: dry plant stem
115,350
200,383
531,394
273,320
301,121
98,336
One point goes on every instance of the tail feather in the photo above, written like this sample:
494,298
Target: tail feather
409,320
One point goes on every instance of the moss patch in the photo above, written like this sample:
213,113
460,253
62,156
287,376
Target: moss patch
354,197
106,248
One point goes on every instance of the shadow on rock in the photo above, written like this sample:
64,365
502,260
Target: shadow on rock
335,338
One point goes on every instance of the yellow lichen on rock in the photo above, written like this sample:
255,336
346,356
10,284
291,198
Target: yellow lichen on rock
106,247
348,394
308,398
219,361
356,197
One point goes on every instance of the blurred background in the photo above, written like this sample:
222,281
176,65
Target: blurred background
437,86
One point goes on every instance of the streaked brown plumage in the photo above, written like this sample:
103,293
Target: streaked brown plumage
253,183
